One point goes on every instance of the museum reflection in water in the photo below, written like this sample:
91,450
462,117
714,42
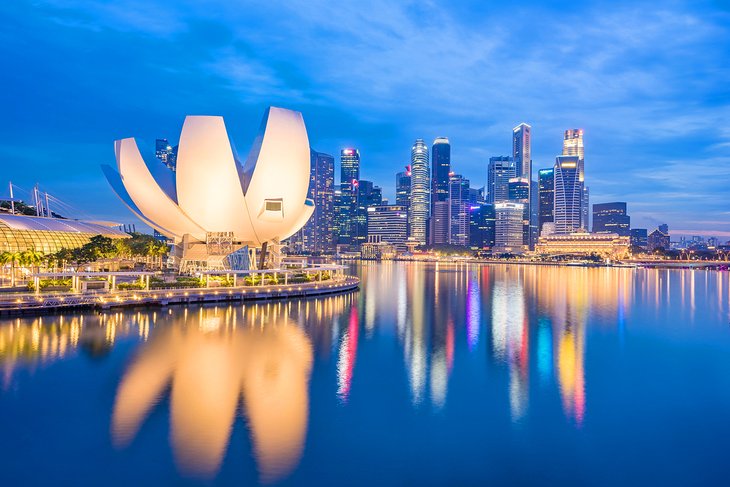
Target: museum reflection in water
216,363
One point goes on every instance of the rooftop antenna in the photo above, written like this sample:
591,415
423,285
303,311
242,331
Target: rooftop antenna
12,201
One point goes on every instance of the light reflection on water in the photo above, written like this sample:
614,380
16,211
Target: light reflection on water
455,325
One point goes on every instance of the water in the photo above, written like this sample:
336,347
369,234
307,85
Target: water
430,375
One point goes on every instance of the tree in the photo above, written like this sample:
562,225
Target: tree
11,258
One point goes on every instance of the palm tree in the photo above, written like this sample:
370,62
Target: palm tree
11,258
32,258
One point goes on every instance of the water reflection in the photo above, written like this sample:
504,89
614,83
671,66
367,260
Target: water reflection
210,365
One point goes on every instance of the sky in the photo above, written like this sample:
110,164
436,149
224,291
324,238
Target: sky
649,82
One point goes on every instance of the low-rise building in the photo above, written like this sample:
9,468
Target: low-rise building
582,243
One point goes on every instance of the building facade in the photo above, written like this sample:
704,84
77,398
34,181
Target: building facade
573,146
521,151
518,191
499,171
606,245
420,193
459,205
611,218
347,228
318,235
658,239
639,238
440,171
546,197
482,220
388,223
567,196
508,236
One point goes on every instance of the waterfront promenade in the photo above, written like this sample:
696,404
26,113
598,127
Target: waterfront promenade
33,303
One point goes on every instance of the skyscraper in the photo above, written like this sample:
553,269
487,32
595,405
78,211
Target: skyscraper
521,151
639,238
568,195
348,198
440,170
319,230
166,153
508,227
611,218
403,188
499,171
546,197
420,192
459,206
481,226
518,191
368,195
388,223
573,146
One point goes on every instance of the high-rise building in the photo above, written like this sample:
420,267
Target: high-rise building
573,146
440,170
347,224
403,188
459,206
481,226
166,153
388,223
318,234
508,227
639,238
568,195
499,171
368,195
611,218
518,191
521,151
420,193
546,197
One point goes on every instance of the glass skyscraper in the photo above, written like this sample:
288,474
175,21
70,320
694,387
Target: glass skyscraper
348,197
499,171
481,226
420,192
521,151
508,227
568,195
573,146
440,170
611,218
546,197
459,205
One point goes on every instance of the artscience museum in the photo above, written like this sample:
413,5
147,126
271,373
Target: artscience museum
221,211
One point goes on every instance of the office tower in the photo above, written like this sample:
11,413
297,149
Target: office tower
573,146
481,226
521,151
348,197
368,195
420,193
611,218
440,170
476,196
403,188
459,205
166,153
534,213
508,227
518,191
318,234
664,228
568,195
545,196
639,238
388,223
499,171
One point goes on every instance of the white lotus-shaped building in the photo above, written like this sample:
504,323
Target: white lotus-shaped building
263,199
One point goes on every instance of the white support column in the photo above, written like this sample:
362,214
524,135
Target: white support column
234,279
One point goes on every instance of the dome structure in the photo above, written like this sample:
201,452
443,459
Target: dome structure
262,199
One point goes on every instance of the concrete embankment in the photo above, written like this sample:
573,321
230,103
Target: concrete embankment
39,303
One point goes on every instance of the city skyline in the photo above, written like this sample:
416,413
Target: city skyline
144,67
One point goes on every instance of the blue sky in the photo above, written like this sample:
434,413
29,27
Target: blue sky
649,82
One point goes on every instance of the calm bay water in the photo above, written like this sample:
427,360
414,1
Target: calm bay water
430,375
